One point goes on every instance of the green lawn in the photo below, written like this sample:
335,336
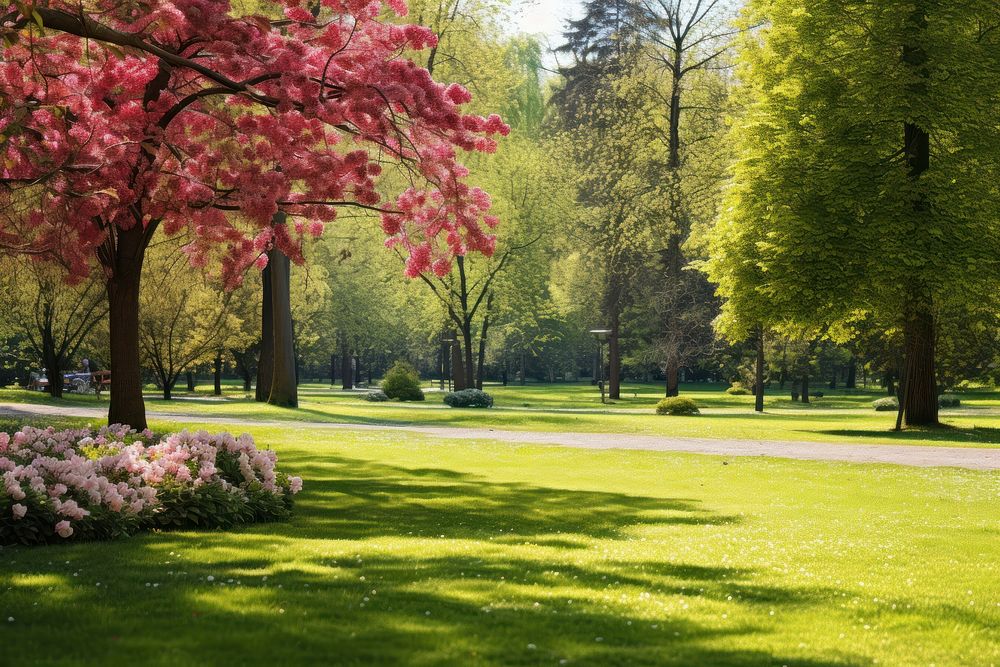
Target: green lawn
839,417
405,550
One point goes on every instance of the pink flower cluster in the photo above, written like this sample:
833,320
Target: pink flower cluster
253,117
74,473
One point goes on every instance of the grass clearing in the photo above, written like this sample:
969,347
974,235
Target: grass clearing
409,550
838,418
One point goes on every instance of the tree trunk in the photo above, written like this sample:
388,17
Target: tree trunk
265,364
53,366
469,363
673,377
443,366
920,401
190,382
333,370
284,391
759,375
127,406
218,374
524,369
805,388
457,367
481,362
168,388
920,398
852,374
615,358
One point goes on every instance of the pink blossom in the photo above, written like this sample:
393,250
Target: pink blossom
63,529
19,510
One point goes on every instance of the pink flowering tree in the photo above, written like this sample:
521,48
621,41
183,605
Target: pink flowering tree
119,117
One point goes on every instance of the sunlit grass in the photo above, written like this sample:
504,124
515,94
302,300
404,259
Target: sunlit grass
405,550
838,417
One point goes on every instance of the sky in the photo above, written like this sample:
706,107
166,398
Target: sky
547,17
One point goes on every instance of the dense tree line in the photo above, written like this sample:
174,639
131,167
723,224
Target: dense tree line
777,196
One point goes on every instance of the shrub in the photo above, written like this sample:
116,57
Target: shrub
887,404
677,405
376,396
469,398
55,485
402,383
738,390
949,401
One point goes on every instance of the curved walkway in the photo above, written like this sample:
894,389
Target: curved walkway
907,455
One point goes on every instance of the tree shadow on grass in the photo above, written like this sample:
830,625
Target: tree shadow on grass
389,565
375,499
945,433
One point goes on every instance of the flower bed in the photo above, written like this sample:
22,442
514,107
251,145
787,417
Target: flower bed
57,485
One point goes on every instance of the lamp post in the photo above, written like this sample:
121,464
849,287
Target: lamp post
446,343
601,335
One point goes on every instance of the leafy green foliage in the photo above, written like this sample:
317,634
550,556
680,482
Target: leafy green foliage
738,389
469,398
677,406
949,401
887,404
402,383
376,396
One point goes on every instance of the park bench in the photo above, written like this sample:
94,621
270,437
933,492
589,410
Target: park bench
100,381
37,382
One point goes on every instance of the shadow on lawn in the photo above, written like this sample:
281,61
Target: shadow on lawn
389,565
943,433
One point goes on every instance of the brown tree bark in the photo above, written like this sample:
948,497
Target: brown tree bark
190,381
805,389
53,363
673,377
920,396
458,367
468,362
284,389
852,374
218,373
265,364
127,406
920,401
759,374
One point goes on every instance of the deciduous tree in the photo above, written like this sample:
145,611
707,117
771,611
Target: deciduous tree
189,115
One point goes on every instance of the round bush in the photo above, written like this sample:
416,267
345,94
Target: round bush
738,390
376,396
469,398
402,383
677,406
887,404
949,401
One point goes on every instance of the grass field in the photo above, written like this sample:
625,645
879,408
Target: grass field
419,552
838,417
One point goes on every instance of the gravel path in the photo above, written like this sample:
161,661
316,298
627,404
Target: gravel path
908,455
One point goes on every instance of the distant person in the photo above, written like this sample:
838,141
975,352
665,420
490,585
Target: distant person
86,365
